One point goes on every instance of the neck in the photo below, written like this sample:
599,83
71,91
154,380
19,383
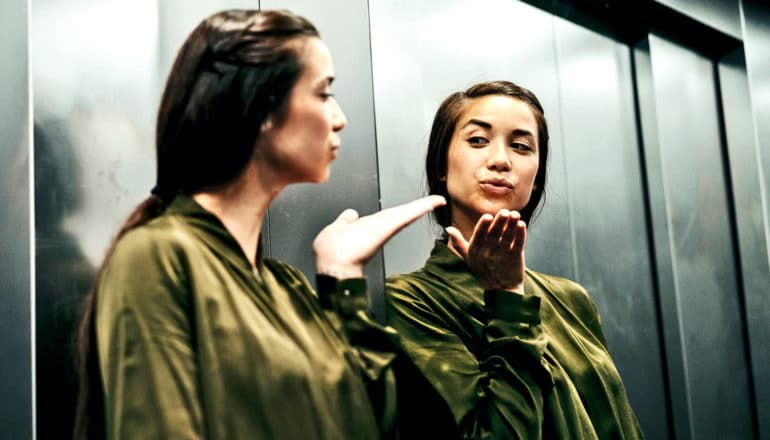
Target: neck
464,223
241,206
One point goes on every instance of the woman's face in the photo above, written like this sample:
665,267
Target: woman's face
492,159
302,147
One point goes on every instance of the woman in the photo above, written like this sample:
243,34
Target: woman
512,353
190,332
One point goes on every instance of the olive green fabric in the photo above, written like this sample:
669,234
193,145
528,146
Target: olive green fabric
194,342
508,365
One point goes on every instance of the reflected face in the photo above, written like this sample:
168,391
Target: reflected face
302,147
492,159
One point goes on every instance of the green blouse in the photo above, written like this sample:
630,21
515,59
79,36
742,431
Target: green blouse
506,365
194,342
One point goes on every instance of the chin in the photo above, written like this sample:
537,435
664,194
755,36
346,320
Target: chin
494,208
323,177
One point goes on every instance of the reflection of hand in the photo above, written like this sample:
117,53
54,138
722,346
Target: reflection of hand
495,251
344,246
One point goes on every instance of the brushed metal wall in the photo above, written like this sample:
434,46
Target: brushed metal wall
607,210
703,257
752,191
16,327
679,417
723,15
95,76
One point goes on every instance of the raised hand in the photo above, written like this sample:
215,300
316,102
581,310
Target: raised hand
495,251
343,247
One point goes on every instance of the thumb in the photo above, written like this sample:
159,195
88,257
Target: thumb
347,216
458,241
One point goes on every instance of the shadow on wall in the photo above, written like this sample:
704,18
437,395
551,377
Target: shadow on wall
63,277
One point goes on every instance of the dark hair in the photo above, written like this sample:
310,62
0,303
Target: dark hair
444,123
234,70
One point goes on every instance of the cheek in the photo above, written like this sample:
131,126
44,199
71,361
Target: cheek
528,170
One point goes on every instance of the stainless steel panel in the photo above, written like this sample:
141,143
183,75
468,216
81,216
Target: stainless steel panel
704,269
95,82
16,343
723,15
301,211
606,199
756,37
747,198
422,52
679,416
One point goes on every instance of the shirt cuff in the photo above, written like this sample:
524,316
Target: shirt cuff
511,306
346,296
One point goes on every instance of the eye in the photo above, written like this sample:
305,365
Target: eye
520,146
326,95
477,141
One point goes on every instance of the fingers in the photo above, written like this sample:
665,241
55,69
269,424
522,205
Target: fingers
347,216
391,220
520,238
505,231
510,234
404,214
499,227
458,241
481,230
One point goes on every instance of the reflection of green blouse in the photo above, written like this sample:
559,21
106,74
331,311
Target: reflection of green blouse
195,343
507,365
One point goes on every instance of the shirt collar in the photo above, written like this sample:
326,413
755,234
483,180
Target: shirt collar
210,229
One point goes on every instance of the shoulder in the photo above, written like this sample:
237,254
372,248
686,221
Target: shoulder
160,241
565,290
148,265
424,293
557,283
286,271
411,284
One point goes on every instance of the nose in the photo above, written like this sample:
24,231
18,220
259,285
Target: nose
339,121
499,158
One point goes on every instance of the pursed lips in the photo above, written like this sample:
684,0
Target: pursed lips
496,185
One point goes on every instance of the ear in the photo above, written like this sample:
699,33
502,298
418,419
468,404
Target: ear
267,124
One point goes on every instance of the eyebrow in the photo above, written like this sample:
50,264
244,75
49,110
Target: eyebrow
488,126
478,122
522,132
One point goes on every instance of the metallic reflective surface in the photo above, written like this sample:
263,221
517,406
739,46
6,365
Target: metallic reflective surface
703,257
95,75
422,52
754,223
723,15
16,338
747,198
606,202
675,373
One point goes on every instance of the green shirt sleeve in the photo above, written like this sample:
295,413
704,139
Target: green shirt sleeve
145,344
494,388
347,302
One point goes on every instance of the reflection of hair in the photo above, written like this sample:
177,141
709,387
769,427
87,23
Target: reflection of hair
447,115
233,71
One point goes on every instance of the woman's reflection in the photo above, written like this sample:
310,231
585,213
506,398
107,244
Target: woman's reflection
62,278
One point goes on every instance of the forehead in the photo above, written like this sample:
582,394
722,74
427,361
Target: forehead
500,111
315,58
